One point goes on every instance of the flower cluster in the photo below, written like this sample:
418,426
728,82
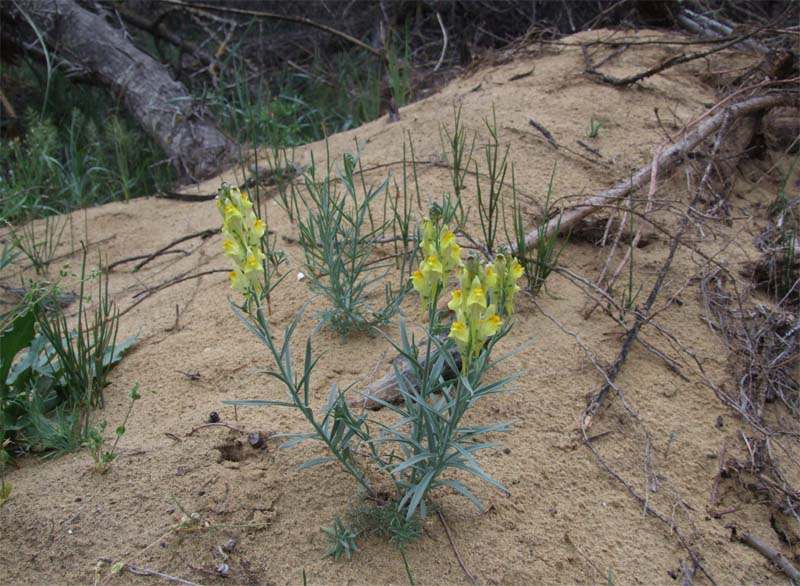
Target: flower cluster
442,254
486,290
242,231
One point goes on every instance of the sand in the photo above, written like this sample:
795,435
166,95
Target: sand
566,521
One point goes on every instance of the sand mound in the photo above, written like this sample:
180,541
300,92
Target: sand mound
567,521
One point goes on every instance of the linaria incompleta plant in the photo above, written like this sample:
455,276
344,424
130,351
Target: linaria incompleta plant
245,243
424,440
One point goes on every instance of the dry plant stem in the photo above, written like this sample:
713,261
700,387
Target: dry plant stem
591,69
467,573
128,259
598,398
145,572
219,424
637,237
776,557
670,523
667,160
687,573
153,290
202,234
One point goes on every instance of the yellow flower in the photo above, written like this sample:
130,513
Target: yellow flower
490,325
460,335
427,279
230,248
259,228
456,301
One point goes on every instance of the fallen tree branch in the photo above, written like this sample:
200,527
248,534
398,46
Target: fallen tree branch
671,62
202,234
776,557
596,401
387,388
669,158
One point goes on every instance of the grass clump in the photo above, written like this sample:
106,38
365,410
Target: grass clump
538,262
595,125
47,396
39,246
490,201
338,234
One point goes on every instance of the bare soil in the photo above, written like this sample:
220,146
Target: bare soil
567,520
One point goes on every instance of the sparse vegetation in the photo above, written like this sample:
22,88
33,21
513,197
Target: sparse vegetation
103,459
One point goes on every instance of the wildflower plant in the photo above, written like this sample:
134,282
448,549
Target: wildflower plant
247,245
424,445
338,235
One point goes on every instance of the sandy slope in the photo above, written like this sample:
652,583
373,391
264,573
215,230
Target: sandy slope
566,522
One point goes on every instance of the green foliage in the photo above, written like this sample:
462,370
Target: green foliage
397,68
338,234
48,393
5,487
539,262
427,440
595,124
341,540
490,202
97,155
454,145
96,441
386,521
39,246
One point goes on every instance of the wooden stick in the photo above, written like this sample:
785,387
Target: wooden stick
596,401
145,572
202,234
467,573
771,554
667,160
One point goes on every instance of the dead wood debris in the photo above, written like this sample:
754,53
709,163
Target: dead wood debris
668,158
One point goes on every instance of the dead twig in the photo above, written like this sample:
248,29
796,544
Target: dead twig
667,160
146,572
202,234
591,69
598,398
218,424
774,556
467,573
153,290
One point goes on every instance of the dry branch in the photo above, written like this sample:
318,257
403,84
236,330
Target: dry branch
387,388
669,158
776,557
596,401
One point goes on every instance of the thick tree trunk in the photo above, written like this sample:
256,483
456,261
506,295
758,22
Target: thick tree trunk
163,106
